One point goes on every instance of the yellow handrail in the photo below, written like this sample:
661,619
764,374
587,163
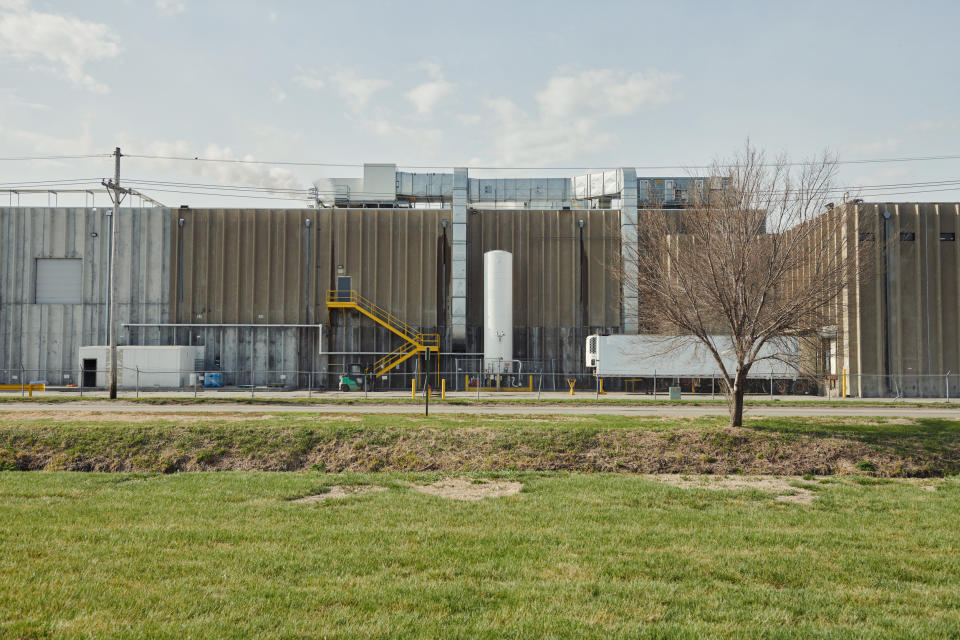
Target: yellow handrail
416,341
401,350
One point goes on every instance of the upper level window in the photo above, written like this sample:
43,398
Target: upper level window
907,236
948,236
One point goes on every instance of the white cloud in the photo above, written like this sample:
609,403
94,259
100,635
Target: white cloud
41,143
469,119
272,16
10,98
570,110
425,97
171,7
601,92
356,89
64,42
521,140
425,138
279,95
309,79
277,179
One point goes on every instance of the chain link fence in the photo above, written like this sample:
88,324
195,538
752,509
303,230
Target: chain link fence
469,376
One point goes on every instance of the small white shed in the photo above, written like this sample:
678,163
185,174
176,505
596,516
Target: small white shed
165,367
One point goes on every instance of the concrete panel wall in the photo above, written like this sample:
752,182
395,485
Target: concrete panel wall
45,338
904,323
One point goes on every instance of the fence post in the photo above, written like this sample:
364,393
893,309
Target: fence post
946,384
771,385
23,381
138,382
713,390
253,384
654,384
479,380
194,385
540,386
310,384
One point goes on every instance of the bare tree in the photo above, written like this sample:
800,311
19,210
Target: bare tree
755,257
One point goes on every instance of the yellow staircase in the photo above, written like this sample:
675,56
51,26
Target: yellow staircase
415,342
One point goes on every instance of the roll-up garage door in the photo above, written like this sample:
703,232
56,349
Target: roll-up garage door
59,281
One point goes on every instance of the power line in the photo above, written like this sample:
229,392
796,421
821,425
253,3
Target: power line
60,157
529,168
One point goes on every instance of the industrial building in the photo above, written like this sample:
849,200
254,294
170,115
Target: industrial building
259,294
898,329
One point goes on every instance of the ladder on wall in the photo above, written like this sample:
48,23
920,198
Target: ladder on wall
415,342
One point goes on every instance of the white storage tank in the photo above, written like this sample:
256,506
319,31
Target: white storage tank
498,312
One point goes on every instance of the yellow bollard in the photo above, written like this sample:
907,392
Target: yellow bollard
571,382
602,392
843,384
443,388
413,388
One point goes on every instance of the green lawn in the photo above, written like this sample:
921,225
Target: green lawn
228,554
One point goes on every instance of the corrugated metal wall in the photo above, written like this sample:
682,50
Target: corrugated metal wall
45,338
547,267
251,267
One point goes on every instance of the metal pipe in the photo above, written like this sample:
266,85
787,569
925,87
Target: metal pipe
888,351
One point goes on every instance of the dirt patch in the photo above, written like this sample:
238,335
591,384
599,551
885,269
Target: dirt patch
781,487
340,491
467,489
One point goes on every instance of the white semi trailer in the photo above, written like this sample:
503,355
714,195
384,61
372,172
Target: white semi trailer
648,360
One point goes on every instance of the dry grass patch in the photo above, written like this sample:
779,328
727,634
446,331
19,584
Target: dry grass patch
781,487
339,491
467,489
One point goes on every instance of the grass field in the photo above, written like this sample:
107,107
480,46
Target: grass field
229,555
146,552
91,441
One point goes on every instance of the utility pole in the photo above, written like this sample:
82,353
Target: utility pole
116,194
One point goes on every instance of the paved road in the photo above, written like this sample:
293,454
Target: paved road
598,409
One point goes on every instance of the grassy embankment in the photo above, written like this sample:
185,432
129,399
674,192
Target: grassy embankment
362,443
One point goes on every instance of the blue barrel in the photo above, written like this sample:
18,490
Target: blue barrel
213,379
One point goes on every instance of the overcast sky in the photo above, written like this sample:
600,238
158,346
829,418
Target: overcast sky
510,84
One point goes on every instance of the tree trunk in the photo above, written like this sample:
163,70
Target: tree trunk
736,400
